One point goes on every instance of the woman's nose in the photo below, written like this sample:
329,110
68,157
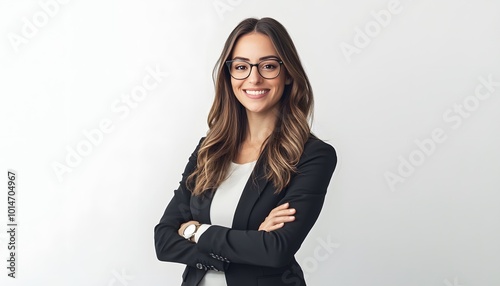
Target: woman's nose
254,76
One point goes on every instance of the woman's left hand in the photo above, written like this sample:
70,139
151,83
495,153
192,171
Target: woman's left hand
278,217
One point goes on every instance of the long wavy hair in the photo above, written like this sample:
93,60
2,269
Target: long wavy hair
227,120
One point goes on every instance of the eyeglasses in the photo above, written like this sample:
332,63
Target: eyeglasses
268,69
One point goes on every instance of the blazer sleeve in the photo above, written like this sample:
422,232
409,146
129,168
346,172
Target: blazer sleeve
306,193
169,245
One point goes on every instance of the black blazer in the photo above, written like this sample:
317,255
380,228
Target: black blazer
247,256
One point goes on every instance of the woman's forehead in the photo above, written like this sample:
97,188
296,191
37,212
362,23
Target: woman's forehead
254,47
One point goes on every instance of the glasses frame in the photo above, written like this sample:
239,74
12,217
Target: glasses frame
228,64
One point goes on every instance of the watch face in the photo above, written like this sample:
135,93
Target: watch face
190,229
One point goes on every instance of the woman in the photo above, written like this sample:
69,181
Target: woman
255,185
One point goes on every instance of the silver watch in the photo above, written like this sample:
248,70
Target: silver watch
190,230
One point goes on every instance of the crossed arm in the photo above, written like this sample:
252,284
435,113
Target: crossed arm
275,220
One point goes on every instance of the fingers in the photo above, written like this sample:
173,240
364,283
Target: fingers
275,223
275,227
281,219
281,210
278,217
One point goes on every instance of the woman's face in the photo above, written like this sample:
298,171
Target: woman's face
257,94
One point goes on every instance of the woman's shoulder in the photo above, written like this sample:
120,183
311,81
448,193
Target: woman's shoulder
314,144
318,155
200,142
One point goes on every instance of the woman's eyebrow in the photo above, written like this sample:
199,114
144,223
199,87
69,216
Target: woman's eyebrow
260,59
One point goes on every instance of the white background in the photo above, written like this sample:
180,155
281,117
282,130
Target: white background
439,225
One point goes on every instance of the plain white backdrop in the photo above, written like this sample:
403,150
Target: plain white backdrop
102,103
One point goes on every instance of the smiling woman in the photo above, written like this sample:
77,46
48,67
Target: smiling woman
255,185
258,92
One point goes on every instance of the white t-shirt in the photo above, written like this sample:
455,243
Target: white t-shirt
222,210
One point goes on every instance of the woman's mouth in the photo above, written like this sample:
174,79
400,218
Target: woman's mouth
256,93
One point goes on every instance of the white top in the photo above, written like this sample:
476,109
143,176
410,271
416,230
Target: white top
222,210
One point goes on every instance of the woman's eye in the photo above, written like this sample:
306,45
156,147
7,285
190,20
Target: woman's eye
240,67
268,66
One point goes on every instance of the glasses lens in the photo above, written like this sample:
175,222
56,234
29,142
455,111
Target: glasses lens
239,69
269,69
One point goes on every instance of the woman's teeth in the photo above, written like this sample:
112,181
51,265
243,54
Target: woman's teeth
256,92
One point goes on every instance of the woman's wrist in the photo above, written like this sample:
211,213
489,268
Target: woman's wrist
188,229
200,232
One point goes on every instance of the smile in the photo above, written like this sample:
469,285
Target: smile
256,93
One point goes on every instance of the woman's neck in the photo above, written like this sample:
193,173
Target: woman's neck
260,126
259,129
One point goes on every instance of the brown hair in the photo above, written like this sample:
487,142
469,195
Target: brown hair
227,119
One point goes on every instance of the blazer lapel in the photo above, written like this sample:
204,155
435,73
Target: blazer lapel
251,193
200,207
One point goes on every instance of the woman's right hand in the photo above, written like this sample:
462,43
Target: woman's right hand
277,218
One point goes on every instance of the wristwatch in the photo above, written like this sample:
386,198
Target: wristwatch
190,230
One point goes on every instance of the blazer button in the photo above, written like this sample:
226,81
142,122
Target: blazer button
199,266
